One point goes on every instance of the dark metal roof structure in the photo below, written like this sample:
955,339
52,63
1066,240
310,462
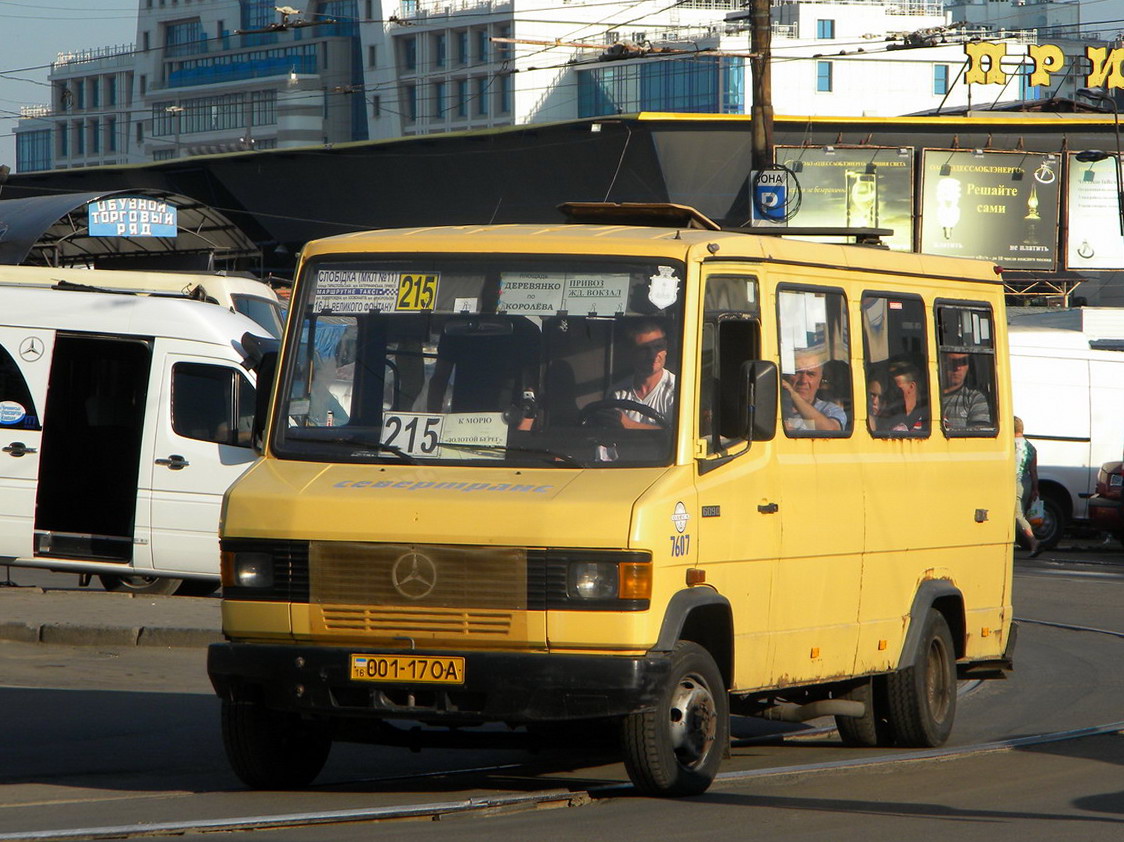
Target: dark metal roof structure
52,230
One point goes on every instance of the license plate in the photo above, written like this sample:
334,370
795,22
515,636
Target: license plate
408,669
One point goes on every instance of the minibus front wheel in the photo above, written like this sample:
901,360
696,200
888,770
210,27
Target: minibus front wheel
675,749
272,749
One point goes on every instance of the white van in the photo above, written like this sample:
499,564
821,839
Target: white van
123,419
237,293
1069,391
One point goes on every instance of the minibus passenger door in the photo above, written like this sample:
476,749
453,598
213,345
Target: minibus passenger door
201,445
25,362
738,525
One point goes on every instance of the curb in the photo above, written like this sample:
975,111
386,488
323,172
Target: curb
65,634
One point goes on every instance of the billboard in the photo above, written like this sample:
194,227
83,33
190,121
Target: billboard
1093,212
996,206
853,187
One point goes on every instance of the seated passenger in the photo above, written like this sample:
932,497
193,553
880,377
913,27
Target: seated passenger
914,414
801,408
962,407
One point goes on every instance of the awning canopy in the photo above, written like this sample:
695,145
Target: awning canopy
54,230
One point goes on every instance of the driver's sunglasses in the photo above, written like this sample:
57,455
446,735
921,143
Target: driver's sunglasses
956,362
653,347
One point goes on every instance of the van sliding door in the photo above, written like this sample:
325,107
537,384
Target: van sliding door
94,422
25,359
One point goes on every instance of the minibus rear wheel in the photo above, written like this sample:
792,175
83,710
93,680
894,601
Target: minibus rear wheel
271,749
141,584
872,728
922,696
675,749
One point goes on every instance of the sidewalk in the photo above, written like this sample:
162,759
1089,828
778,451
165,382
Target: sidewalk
92,616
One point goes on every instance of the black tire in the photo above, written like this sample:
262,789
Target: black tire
921,698
152,585
271,749
198,587
676,749
1054,522
873,728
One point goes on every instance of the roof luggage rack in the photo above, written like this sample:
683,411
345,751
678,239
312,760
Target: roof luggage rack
670,215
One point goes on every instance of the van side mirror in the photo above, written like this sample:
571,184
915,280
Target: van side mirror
255,348
759,386
267,373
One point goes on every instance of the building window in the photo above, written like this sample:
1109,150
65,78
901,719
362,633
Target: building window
111,134
504,52
410,53
940,79
185,38
80,94
372,56
439,50
462,97
376,107
79,139
111,90
462,47
825,29
33,152
505,93
411,102
482,46
482,97
95,94
95,137
438,100
824,80
64,141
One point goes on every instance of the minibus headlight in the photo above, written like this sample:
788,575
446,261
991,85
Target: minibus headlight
592,580
247,570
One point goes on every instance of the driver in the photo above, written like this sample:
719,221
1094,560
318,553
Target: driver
650,384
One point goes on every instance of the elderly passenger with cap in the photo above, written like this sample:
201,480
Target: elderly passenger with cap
802,409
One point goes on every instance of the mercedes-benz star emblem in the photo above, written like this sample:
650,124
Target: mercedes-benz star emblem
31,349
414,575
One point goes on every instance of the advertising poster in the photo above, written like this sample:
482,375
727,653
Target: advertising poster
853,187
996,206
1094,240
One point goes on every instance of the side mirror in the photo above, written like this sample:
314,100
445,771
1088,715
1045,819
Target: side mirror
255,348
267,372
761,384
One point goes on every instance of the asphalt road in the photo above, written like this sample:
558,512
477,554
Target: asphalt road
114,736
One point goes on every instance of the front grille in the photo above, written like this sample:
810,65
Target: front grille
371,586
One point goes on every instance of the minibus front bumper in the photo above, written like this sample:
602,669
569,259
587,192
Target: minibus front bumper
496,687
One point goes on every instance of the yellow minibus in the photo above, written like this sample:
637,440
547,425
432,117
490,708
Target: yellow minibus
644,475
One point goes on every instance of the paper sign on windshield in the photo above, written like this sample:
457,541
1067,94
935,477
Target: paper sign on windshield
546,293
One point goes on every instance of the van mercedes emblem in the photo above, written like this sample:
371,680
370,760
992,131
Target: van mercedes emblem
31,349
414,575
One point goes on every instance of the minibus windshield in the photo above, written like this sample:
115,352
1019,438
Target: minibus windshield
498,360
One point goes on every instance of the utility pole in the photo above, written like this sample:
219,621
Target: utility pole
761,110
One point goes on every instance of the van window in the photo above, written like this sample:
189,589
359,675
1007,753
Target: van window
17,409
730,337
815,362
967,369
897,390
263,311
212,403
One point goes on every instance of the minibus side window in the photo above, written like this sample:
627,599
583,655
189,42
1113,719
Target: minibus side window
897,390
816,396
17,410
967,369
730,337
212,403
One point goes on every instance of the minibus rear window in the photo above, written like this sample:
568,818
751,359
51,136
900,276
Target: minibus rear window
547,361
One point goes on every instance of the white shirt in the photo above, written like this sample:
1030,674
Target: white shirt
661,398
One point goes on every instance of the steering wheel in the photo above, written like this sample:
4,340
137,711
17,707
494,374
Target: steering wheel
590,411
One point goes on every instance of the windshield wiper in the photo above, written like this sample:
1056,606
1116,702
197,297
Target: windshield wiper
541,452
352,438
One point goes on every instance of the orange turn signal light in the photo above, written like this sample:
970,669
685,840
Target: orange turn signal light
635,580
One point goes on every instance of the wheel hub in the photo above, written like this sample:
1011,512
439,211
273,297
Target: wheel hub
693,720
